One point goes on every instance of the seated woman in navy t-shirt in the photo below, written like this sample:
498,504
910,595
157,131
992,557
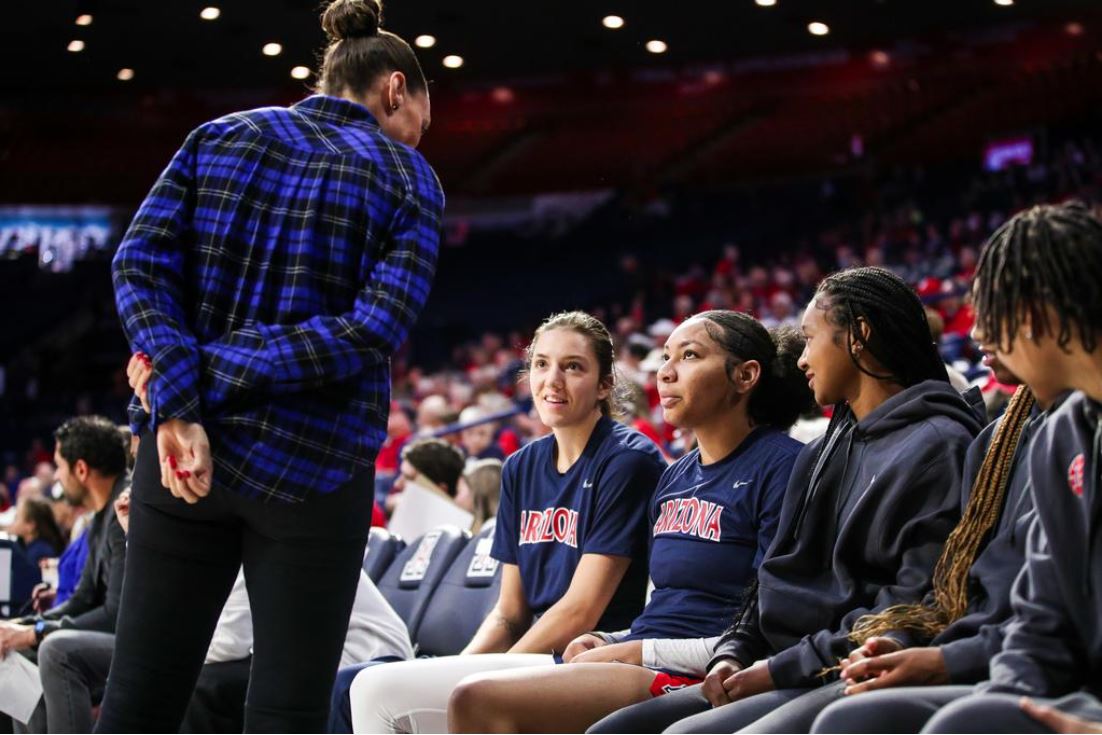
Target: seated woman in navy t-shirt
865,515
713,515
571,534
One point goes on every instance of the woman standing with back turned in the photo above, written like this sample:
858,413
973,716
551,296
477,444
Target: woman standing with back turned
278,262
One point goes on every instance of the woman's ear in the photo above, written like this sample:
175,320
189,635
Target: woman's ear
746,375
859,336
864,329
395,91
604,390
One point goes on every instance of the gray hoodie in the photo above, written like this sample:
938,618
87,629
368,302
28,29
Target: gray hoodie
860,530
1053,645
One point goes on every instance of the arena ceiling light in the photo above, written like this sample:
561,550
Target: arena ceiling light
817,28
125,74
766,3
613,22
210,13
300,72
424,41
1004,3
272,49
453,61
76,46
657,47
84,20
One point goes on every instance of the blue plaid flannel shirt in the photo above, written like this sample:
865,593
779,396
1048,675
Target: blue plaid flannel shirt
278,262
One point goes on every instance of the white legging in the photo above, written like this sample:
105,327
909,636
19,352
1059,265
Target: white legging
412,696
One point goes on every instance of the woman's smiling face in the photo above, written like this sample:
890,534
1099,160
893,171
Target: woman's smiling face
565,378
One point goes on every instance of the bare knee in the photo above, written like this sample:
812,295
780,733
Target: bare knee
473,706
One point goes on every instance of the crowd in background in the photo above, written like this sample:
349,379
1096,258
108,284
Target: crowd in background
930,239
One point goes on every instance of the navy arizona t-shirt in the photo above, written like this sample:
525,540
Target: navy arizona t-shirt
711,527
547,520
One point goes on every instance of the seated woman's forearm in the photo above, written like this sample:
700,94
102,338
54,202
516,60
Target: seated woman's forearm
497,634
561,624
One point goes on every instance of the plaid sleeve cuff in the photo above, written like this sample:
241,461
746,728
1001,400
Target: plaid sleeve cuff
136,416
173,390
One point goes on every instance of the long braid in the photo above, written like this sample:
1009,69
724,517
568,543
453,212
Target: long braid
950,598
1047,262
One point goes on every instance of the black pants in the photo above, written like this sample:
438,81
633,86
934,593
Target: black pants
1003,713
218,703
302,564
657,714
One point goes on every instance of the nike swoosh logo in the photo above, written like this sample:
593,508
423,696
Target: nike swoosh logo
740,483
587,484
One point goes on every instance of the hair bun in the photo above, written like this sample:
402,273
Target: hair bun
352,19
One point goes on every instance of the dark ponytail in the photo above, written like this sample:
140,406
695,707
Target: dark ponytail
782,393
359,51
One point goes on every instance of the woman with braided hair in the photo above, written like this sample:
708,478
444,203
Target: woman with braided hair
948,638
866,511
1039,307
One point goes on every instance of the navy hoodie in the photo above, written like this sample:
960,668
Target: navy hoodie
1053,645
968,644
860,530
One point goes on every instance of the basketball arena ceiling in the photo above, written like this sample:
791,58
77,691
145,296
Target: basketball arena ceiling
168,44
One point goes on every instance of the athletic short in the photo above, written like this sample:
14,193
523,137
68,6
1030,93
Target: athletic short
665,682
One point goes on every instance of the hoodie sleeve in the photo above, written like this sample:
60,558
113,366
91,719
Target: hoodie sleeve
968,660
1039,655
960,656
912,544
743,642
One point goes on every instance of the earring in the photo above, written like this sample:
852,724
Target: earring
1028,333
394,108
